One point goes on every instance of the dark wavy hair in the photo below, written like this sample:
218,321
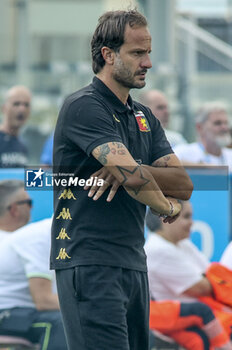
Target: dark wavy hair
110,32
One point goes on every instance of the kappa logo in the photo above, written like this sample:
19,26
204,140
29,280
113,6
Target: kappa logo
142,121
63,255
67,194
64,214
63,234
34,178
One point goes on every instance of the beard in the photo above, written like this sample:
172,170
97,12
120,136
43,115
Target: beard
20,117
223,140
123,75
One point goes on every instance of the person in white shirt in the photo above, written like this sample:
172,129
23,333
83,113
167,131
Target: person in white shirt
15,206
158,103
28,306
213,135
175,265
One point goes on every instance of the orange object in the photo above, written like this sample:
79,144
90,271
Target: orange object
165,317
189,340
220,278
222,312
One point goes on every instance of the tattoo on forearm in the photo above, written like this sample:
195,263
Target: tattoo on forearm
121,152
101,153
125,173
162,163
118,144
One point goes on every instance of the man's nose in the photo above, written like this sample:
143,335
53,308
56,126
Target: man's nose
146,63
225,127
23,107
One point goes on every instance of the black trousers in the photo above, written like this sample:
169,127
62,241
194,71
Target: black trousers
104,308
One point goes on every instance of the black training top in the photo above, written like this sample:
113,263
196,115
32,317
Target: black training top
86,232
13,153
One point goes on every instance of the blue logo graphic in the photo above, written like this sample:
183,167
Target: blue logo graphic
34,178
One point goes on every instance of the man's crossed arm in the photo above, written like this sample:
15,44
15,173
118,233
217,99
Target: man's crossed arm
167,171
141,182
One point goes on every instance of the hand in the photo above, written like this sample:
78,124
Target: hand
177,207
170,219
109,180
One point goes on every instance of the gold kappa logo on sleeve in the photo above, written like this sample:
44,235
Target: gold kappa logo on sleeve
67,194
64,214
63,234
63,255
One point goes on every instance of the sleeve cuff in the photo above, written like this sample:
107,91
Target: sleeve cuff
39,275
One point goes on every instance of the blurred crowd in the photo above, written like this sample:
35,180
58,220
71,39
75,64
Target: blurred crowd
213,132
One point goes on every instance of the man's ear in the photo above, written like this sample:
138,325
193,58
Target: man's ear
108,55
13,209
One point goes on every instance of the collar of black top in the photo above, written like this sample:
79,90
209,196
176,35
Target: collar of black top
112,99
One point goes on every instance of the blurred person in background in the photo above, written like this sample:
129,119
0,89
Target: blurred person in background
16,111
29,308
169,247
15,206
213,137
178,270
158,103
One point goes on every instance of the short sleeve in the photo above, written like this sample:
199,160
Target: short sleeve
34,254
89,123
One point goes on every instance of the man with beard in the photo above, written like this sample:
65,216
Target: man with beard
158,103
16,111
213,134
97,243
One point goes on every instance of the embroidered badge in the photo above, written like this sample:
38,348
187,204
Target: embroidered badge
64,214
63,234
142,121
63,255
67,194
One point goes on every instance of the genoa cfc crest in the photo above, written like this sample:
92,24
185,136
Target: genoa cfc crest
142,121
